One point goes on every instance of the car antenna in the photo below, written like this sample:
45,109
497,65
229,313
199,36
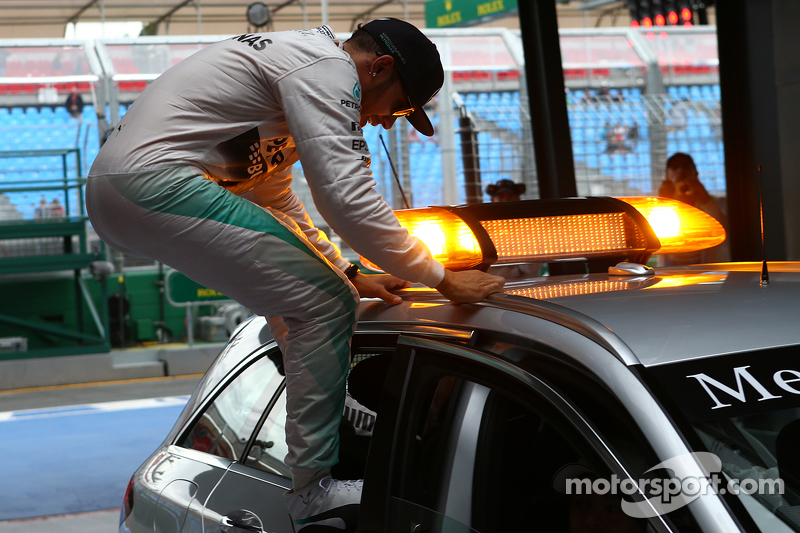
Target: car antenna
764,271
396,177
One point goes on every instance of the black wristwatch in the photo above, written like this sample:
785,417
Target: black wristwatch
351,271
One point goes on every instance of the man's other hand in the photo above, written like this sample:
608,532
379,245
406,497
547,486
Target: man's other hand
378,286
469,285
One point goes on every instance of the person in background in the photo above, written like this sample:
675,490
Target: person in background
682,183
41,211
74,104
56,209
505,191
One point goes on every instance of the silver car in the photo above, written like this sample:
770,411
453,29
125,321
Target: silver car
618,398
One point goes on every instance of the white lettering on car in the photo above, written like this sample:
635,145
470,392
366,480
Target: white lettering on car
743,375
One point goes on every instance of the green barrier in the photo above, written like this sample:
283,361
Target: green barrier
184,292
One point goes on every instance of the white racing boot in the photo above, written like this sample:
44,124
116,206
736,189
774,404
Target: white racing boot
327,505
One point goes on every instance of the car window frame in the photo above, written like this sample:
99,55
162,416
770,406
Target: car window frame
412,354
236,370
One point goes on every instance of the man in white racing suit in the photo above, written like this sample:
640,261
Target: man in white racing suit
197,175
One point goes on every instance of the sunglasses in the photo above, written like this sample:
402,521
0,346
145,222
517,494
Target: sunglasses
405,112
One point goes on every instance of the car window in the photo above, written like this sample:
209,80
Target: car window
225,426
478,458
269,447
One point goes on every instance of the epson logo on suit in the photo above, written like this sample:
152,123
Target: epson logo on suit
747,387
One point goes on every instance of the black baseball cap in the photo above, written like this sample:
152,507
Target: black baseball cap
416,59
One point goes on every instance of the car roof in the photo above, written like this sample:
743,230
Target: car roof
679,314
691,312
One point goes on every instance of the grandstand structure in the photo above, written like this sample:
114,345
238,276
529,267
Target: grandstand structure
633,98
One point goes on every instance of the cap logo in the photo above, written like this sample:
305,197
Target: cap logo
392,48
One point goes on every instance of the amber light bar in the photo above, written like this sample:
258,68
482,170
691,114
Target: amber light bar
476,236
450,240
679,226
616,229
558,237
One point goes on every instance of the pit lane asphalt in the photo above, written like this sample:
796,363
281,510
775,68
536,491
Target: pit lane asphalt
67,452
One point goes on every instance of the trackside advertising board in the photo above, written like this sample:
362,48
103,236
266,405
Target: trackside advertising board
182,291
449,13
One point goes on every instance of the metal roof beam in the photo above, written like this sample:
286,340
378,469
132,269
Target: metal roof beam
279,7
74,18
355,19
172,11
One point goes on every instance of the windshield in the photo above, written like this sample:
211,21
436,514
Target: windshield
745,410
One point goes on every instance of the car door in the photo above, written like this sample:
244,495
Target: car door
215,441
466,441
249,497
250,494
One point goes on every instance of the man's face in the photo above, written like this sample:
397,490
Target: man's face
682,173
383,103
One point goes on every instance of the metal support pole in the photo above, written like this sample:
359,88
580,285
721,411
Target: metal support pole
447,143
471,159
545,82
79,303
189,326
397,196
199,17
405,160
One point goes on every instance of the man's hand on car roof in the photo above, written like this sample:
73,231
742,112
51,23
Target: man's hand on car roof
469,285
378,286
